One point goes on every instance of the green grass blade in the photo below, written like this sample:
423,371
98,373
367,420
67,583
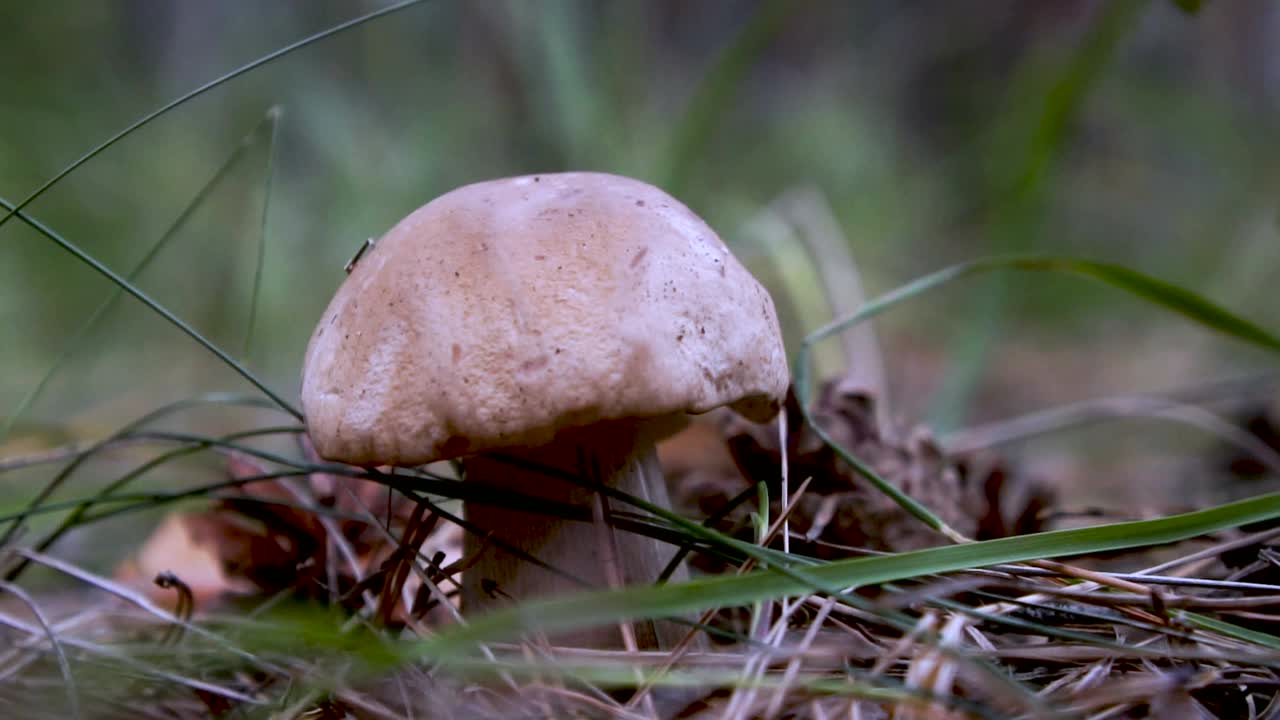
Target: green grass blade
716,91
676,599
155,306
161,412
243,69
273,117
70,686
773,561
1223,627
1020,190
77,340
804,391
1169,296
559,73
76,515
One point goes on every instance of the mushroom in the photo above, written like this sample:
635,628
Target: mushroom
568,321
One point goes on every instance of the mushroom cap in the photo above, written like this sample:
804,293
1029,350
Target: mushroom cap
506,311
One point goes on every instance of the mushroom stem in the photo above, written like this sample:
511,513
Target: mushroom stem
620,458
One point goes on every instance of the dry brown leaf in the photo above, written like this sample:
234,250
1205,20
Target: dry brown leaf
186,545
260,537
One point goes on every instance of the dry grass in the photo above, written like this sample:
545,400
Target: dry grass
1048,640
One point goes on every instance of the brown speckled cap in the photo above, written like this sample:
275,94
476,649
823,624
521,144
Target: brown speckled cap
502,312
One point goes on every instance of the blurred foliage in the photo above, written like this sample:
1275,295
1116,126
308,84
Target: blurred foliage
1126,132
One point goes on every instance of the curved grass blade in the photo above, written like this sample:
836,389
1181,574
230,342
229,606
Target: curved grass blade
155,306
716,91
55,644
243,69
1021,187
194,445
1159,292
247,142
1229,390
769,559
1232,630
118,503
163,411
710,522
273,117
1171,297
675,599
784,564
81,510
410,485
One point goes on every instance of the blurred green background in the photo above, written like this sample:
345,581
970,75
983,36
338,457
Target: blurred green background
935,131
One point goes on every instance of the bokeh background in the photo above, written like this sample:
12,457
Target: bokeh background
919,134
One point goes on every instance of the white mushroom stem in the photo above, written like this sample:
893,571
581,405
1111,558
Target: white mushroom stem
623,456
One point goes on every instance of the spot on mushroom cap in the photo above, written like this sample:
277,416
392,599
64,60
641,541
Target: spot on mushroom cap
504,311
